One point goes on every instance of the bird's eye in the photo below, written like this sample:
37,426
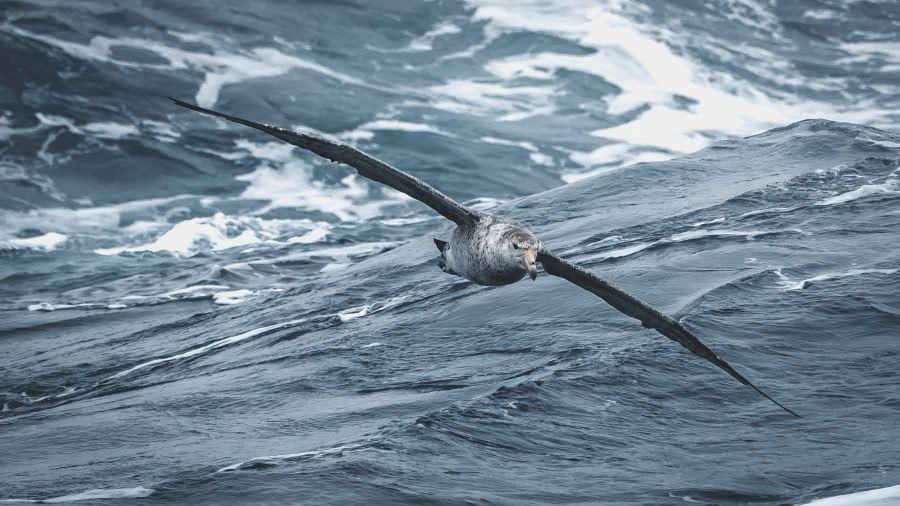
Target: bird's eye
515,246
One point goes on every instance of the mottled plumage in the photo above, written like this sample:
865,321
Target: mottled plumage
489,249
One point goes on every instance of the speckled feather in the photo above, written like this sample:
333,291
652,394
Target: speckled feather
487,251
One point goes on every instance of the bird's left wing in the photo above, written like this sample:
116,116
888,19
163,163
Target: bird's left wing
649,317
367,165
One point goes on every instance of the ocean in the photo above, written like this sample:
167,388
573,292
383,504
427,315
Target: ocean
194,312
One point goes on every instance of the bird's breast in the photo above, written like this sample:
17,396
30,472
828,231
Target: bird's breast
477,254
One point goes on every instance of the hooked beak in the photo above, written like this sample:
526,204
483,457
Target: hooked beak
529,263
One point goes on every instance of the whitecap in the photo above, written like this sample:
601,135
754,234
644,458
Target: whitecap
312,236
233,296
678,101
889,187
45,242
221,232
341,254
354,313
290,184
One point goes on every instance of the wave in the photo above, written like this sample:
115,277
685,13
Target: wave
668,102
221,232
343,316
270,460
219,67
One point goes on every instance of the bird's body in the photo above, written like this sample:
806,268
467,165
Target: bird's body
488,249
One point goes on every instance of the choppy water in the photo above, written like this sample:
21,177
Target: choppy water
190,311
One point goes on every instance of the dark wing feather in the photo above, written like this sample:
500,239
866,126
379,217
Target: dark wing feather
367,166
649,317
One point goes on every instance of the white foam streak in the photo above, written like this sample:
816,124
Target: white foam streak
358,312
233,296
787,284
289,184
272,459
211,346
889,187
46,242
352,314
344,316
366,130
111,130
426,41
89,495
221,232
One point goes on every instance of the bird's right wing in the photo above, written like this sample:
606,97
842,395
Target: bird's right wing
366,165
649,317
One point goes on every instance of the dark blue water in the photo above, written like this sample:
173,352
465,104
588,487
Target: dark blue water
193,312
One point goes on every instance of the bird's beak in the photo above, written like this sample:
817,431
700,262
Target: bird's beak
529,263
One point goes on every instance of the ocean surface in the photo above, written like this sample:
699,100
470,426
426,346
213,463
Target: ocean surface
193,312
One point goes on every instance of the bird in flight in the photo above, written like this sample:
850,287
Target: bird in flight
488,249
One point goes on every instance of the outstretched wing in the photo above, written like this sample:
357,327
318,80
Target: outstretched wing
366,165
649,317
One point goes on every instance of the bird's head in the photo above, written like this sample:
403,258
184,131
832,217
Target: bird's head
522,248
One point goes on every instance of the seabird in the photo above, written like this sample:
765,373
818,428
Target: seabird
488,249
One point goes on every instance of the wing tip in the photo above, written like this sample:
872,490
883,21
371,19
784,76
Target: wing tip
780,405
